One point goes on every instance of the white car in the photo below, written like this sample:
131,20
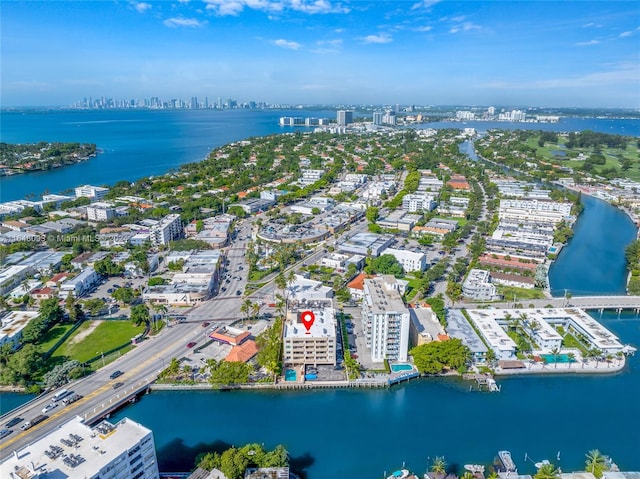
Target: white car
49,407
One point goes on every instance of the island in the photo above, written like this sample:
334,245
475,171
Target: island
24,158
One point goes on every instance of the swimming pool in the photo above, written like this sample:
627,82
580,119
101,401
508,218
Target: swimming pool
397,368
559,358
290,375
553,249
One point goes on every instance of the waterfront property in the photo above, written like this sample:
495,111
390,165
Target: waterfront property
540,326
385,319
314,344
124,450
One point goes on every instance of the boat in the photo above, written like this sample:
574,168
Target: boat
474,468
400,474
507,462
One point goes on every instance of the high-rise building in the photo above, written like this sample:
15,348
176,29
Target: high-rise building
377,117
386,319
313,345
344,117
124,450
168,229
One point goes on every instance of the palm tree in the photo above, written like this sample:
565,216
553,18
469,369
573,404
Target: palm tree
439,466
246,307
547,471
160,309
596,463
556,353
467,475
571,357
255,309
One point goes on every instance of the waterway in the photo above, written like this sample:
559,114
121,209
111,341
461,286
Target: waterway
363,433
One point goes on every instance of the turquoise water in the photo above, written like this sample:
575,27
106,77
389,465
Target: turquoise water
593,261
560,358
396,368
553,249
290,375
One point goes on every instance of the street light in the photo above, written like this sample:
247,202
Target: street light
102,355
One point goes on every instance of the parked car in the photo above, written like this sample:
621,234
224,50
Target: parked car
238,293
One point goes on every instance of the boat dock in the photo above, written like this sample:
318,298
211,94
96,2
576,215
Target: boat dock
483,381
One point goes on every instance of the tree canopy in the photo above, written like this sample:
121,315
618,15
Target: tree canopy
438,356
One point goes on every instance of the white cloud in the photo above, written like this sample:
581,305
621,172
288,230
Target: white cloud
587,43
141,7
626,34
183,22
235,7
465,27
426,28
425,4
287,44
382,38
317,6
591,25
332,43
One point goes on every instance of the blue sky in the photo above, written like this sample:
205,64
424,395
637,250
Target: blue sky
542,53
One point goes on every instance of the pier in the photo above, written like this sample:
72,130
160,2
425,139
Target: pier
601,303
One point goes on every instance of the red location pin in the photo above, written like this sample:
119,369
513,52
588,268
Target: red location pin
307,318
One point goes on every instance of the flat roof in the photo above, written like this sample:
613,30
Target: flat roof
381,297
491,331
324,325
459,327
98,447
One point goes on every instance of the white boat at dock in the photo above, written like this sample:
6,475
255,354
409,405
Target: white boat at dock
507,462
474,468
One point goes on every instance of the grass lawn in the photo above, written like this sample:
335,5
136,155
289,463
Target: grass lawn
461,221
52,336
91,339
520,293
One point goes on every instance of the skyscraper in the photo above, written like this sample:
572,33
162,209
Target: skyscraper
344,117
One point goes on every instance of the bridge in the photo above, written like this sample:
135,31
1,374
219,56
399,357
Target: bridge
617,303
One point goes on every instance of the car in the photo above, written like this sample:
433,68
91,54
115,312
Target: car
110,290
223,289
238,293
117,385
116,374
191,344
5,432
49,407
14,422
205,324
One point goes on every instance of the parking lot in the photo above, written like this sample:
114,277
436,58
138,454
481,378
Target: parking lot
357,338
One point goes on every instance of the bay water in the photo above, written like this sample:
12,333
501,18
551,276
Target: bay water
364,433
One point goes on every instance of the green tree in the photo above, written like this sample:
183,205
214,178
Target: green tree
233,463
439,466
438,356
386,264
140,314
123,295
596,463
547,471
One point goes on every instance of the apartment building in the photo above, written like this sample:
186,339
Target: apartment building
124,450
478,286
167,229
315,345
415,203
95,193
385,319
409,260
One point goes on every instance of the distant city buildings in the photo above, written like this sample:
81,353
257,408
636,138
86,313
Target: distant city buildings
344,117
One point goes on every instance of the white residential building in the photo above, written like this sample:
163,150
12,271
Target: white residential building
168,229
124,450
478,286
538,211
12,324
313,346
104,211
418,203
496,338
93,192
385,319
409,260
81,284
310,176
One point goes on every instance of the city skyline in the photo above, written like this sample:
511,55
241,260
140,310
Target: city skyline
548,54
